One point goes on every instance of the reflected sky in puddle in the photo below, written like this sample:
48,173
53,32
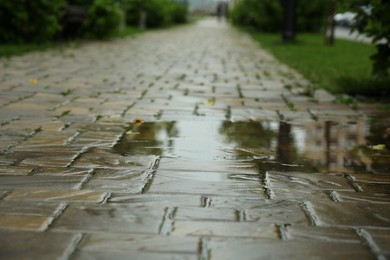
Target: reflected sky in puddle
313,147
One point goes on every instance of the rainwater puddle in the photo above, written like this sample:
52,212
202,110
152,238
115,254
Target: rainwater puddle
314,147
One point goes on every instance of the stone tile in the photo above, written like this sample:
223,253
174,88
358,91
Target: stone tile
330,234
26,216
36,245
239,203
351,214
277,212
61,171
217,183
313,181
57,195
131,254
206,214
100,158
381,188
150,200
44,182
363,197
122,180
15,170
35,223
105,218
224,229
27,208
116,242
232,167
381,238
277,249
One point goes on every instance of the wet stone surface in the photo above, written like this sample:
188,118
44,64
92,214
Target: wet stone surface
138,149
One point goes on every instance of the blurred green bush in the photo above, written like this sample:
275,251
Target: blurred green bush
267,15
159,13
29,20
37,21
104,19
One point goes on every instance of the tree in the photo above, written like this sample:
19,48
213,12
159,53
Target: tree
373,19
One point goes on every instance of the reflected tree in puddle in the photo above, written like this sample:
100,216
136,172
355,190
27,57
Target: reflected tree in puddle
147,139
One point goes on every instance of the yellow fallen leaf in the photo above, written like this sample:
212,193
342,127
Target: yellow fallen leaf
33,81
378,147
138,121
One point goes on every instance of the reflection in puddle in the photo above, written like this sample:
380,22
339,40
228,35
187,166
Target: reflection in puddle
314,147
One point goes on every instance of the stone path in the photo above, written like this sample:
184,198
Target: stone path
182,144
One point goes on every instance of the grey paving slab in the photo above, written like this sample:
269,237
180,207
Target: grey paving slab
224,229
105,218
276,249
351,214
27,216
36,245
39,181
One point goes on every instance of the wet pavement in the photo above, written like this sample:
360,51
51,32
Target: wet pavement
187,143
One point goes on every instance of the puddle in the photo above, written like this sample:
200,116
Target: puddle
361,146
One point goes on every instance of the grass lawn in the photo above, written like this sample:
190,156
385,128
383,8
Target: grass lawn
342,68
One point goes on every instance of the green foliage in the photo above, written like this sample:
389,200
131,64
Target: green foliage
159,12
104,19
373,19
178,12
267,15
29,21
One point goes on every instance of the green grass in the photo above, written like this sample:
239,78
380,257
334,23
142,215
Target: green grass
342,68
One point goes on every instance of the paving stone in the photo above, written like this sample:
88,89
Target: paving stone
25,222
226,188
224,229
295,181
277,212
61,171
177,164
27,216
38,181
381,239
277,249
299,194
36,245
207,214
15,170
373,183
116,242
56,195
130,181
99,158
105,218
239,203
363,197
137,255
351,214
150,200
330,234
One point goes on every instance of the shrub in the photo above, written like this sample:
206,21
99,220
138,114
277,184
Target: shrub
159,12
267,15
178,12
264,15
29,21
104,19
